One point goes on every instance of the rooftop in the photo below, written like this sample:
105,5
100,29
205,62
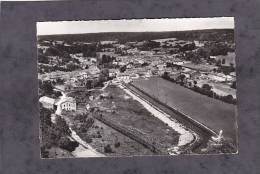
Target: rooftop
46,99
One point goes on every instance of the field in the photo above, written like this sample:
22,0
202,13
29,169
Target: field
213,113
125,147
133,116
219,88
122,111
99,135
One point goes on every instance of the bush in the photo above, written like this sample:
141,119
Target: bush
206,87
66,144
117,144
56,94
88,139
43,59
228,99
81,118
62,126
72,66
46,87
234,85
108,149
86,125
165,75
45,116
44,153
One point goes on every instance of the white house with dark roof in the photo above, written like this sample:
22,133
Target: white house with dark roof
65,103
68,104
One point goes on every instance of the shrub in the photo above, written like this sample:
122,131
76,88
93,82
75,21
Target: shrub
108,149
206,87
81,118
117,144
44,152
66,144
88,139
62,126
86,125
234,85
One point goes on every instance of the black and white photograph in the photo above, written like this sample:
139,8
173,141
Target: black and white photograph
137,87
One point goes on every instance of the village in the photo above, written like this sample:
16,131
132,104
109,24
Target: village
89,85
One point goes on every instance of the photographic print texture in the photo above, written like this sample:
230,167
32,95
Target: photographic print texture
118,88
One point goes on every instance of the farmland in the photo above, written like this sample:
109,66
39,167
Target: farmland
213,113
137,93
122,111
134,116
100,135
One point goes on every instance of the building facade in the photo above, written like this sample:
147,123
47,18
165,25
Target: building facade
68,104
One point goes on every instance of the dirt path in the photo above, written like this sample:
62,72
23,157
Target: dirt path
84,149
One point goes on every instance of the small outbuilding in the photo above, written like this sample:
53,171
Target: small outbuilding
47,102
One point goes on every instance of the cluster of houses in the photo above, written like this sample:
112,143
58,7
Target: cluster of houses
63,103
137,62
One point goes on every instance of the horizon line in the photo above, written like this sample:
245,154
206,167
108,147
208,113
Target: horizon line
134,25
135,31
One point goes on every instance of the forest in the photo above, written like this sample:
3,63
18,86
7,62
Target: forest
122,37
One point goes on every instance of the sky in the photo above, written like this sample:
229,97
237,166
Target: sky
133,25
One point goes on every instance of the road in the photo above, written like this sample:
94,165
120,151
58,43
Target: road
212,113
203,134
186,136
84,149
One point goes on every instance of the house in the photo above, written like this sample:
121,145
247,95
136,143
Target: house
123,77
161,67
93,60
113,72
174,75
68,104
65,103
47,102
134,76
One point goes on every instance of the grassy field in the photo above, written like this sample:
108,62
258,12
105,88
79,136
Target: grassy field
213,113
100,135
122,110
134,116
120,144
56,152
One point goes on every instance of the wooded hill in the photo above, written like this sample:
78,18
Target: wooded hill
122,37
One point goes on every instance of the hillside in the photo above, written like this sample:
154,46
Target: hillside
207,35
